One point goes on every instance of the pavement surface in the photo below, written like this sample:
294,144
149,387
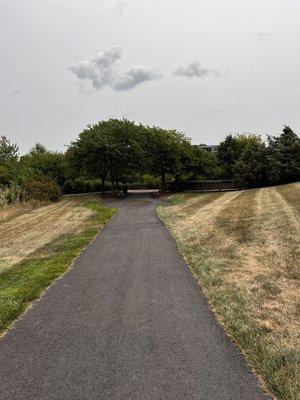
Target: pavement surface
128,321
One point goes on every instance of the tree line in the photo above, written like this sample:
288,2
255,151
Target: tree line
115,153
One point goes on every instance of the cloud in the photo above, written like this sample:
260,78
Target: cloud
121,8
103,71
194,70
100,70
263,36
134,76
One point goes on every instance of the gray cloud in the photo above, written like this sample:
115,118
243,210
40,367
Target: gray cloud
102,70
194,70
134,76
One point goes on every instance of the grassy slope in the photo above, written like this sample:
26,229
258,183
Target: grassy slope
23,283
244,249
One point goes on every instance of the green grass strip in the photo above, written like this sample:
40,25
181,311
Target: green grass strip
26,281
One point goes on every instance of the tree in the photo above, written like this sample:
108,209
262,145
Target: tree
231,149
127,152
166,150
250,169
38,148
9,152
203,164
228,153
42,162
283,157
108,149
9,155
89,155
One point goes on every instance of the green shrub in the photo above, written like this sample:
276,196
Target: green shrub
42,189
81,185
10,194
151,182
6,176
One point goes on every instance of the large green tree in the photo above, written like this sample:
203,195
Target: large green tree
283,157
109,149
203,164
166,150
250,169
232,148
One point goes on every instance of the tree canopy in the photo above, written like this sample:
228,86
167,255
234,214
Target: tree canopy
283,157
9,155
110,149
115,152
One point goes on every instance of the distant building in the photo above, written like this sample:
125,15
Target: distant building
211,148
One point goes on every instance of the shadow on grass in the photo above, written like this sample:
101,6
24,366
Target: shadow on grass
26,281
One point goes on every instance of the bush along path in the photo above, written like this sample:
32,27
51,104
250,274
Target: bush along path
128,321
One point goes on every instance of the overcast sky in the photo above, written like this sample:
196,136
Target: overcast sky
205,67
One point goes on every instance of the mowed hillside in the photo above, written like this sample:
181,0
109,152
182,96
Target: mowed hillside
25,234
244,249
37,245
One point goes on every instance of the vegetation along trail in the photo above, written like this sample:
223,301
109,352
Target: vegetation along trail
128,321
21,236
244,249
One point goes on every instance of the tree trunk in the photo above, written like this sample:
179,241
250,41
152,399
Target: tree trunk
176,182
103,184
163,182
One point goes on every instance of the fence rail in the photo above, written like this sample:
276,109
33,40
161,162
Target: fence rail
204,186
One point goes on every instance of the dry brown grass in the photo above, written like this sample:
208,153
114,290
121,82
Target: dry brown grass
244,248
63,230
24,234
14,210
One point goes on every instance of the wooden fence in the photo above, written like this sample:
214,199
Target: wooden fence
204,186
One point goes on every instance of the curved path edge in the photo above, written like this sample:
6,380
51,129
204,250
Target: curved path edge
128,321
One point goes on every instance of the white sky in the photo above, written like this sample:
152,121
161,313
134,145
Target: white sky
250,48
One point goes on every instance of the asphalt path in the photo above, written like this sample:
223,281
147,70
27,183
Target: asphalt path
128,321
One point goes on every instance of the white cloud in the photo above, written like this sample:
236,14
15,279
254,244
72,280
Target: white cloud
121,8
134,76
102,70
194,70
264,36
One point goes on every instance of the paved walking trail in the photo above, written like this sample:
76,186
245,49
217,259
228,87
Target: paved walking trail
127,322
